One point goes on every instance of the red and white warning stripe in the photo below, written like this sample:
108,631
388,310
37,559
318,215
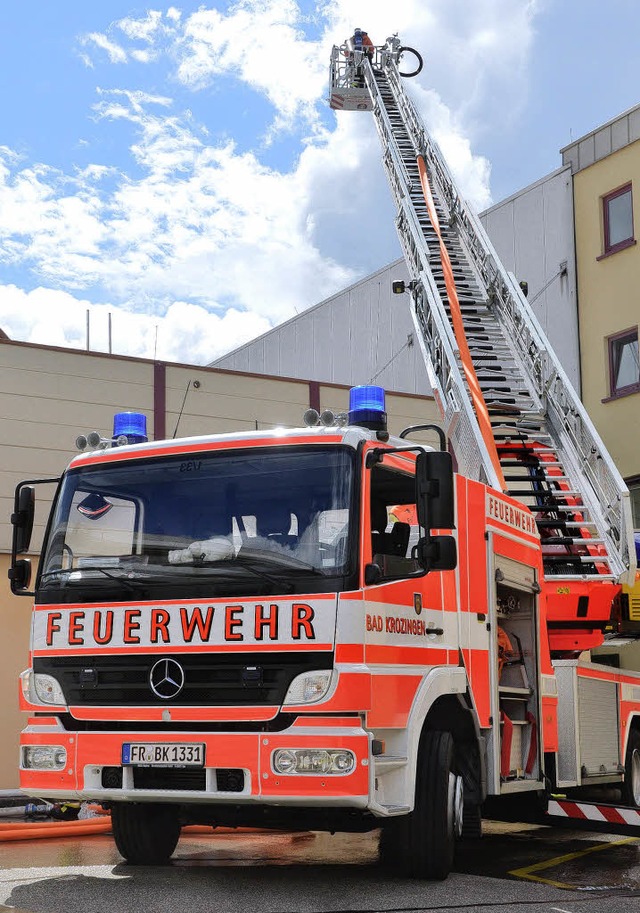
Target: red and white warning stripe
337,101
587,811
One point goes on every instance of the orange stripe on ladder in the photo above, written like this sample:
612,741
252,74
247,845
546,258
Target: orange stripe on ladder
477,398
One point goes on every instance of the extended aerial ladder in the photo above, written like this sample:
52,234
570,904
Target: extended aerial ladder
513,419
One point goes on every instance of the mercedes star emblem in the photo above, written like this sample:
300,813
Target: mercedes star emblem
166,678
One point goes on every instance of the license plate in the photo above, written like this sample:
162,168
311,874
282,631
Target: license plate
162,754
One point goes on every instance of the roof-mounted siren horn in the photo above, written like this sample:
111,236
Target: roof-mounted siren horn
129,428
367,408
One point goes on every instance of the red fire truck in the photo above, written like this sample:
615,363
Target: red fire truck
328,627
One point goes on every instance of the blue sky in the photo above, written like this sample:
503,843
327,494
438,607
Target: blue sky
177,166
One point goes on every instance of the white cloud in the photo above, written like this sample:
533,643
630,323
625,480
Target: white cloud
200,235
183,332
204,223
262,43
476,58
115,52
145,29
143,56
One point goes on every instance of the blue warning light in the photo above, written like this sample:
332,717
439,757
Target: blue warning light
132,425
366,407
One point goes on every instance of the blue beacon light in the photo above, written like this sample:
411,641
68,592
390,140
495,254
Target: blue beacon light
132,425
366,407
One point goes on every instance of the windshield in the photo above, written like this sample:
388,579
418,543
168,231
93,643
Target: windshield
213,524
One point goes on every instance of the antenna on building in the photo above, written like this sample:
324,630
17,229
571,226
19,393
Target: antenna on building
88,328
196,384
109,332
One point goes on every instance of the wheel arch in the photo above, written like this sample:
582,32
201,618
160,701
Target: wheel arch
453,713
633,725
443,703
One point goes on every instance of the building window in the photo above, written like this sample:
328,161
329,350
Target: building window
624,363
617,211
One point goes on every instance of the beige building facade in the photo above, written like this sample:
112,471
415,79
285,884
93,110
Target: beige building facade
48,396
606,189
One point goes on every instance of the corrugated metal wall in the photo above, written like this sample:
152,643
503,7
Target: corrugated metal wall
356,337
533,235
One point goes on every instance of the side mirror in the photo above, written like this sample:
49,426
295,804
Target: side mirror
372,574
22,518
434,490
20,576
437,553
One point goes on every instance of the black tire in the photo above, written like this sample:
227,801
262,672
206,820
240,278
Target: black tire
426,838
471,822
390,855
145,834
631,785
419,62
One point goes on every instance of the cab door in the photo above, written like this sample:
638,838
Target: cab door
407,630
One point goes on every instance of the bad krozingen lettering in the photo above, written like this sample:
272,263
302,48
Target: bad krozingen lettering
392,624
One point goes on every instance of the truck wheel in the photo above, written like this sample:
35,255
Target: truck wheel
145,834
427,837
471,822
631,787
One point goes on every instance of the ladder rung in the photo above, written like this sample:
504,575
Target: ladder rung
555,493
569,540
560,508
512,438
576,559
535,478
520,464
558,524
557,578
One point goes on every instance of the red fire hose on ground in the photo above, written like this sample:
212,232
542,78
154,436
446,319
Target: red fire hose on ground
98,823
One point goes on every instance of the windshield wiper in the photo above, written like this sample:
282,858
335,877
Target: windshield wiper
248,560
281,558
287,586
85,576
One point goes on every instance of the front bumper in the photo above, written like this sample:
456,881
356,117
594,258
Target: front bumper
238,766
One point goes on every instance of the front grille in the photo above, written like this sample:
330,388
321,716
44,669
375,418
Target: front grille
210,679
169,778
278,723
227,779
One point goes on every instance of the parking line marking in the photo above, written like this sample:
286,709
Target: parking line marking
527,871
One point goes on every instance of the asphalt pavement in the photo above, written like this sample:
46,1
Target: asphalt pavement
514,867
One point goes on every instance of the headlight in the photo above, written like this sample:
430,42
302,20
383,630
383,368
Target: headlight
39,688
313,761
309,687
44,757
